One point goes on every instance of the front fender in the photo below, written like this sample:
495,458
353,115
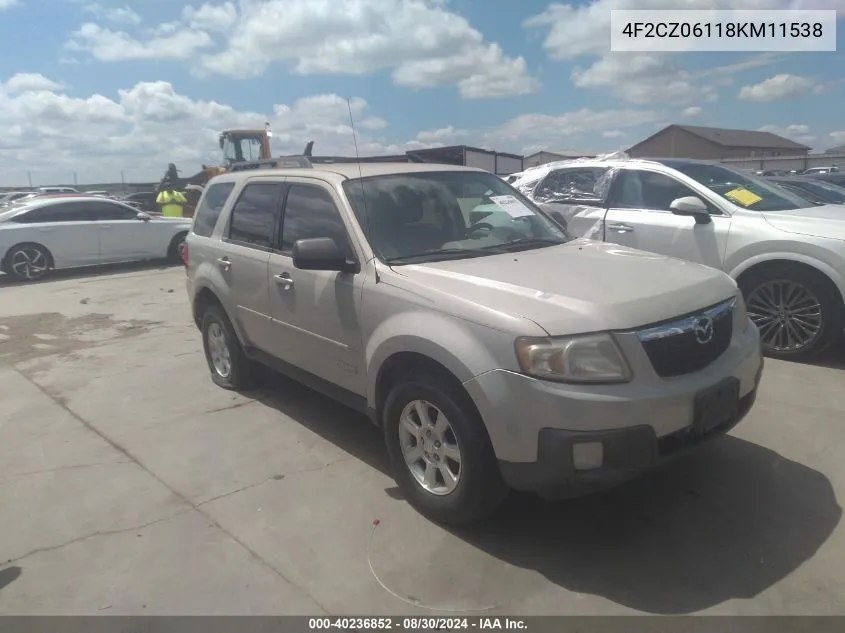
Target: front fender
464,348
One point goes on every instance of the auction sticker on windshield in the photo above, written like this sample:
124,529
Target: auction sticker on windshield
511,206
743,196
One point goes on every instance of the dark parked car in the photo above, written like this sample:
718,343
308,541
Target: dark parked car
814,190
143,200
834,179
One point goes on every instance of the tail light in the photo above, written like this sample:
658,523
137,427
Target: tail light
184,252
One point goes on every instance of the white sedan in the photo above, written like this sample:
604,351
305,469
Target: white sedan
47,233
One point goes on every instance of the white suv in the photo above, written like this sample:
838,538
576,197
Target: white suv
786,253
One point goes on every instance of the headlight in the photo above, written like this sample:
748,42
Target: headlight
593,358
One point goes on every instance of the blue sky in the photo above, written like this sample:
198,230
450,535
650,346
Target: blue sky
95,88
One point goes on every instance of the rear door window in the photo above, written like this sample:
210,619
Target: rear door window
255,214
210,207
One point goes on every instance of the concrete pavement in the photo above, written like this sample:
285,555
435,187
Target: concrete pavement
130,484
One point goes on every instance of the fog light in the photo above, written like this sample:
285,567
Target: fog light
587,455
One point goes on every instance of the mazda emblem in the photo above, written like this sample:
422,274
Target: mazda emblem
703,330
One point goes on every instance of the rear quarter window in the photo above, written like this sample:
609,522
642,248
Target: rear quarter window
210,207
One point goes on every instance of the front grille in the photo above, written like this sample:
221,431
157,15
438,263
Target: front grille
686,345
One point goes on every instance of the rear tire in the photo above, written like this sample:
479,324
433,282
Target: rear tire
28,262
229,366
799,314
476,488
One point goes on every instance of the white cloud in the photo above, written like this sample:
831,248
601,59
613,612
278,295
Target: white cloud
797,132
211,17
149,125
776,88
117,15
421,42
535,130
614,134
114,46
692,111
828,86
442,135
21,83
8,4
838,138
141,129
642,78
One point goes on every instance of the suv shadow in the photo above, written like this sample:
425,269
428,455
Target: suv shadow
725,523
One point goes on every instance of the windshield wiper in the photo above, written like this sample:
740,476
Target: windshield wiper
525,242
438,254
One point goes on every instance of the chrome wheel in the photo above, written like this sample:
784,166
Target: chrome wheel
218,350
430,448
788,315
29,262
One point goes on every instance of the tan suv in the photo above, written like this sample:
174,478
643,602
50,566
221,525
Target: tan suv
495,351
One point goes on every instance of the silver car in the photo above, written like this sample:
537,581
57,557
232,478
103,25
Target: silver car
494,352
786,252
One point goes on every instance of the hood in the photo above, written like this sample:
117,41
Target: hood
581,286
824,221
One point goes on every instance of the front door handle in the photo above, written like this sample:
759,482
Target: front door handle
620,228
224,263
284,280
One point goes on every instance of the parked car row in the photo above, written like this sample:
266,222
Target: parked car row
49,232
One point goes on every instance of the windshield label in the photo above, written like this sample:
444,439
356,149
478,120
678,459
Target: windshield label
511,206
743,196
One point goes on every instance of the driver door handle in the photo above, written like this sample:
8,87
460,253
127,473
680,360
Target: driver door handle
620,228
224,263
284,280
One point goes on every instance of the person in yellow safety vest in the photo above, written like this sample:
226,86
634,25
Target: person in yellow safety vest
171,202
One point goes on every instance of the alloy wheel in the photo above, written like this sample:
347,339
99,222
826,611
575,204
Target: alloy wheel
788,315
430,447
29,263
218,350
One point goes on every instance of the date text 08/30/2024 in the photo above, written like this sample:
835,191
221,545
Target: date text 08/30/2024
722,30
415,624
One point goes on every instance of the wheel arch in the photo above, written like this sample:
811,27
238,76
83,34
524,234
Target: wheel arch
760,263
402,363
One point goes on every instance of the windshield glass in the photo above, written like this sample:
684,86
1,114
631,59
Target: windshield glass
743,190
434,216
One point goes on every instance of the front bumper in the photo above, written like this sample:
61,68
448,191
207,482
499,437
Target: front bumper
534,424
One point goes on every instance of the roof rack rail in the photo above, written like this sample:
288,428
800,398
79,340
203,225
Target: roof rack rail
282,162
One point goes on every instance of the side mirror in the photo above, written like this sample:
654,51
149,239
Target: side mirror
691,206
320,253
144,217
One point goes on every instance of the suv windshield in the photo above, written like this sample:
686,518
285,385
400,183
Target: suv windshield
743,190
434,216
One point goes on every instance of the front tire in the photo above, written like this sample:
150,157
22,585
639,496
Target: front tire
798,314
439,451
230,368
174,250
28,262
